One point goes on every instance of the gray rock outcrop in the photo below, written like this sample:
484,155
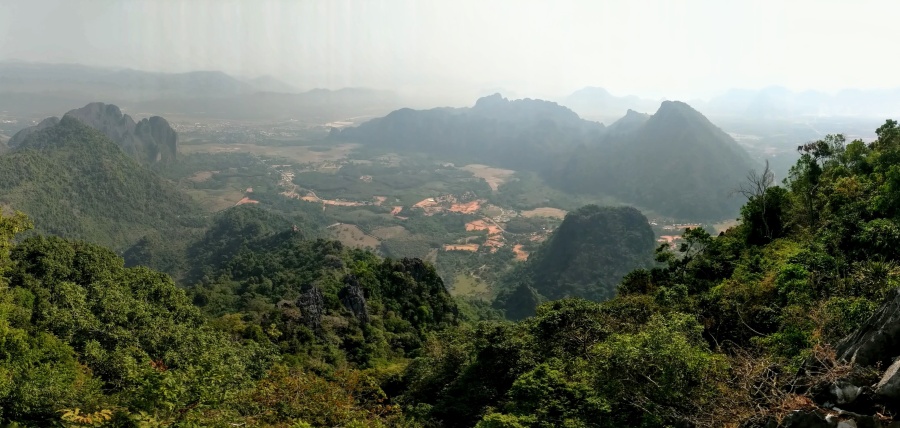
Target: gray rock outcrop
312,307
877,341
353,297
889,385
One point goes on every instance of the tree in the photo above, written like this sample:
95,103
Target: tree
755,188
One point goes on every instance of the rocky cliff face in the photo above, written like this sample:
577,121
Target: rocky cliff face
866,391
353,298
312,307
151,141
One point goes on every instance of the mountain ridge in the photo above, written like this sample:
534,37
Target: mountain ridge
150,140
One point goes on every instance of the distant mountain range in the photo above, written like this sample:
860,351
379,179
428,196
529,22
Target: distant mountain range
520,134
675,162
768,103
40,89
127,83
598,104
150,141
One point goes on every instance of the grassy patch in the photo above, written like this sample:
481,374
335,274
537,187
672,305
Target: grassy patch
469,286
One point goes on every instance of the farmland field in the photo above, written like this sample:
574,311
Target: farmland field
299,154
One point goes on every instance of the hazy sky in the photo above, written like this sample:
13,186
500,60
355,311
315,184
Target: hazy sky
675,49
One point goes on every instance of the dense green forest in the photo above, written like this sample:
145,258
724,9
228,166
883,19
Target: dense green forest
587,256
73,181
272,326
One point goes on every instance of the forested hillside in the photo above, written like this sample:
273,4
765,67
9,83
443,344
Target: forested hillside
735,330
284,332
75,182
675,162
512,134
585,257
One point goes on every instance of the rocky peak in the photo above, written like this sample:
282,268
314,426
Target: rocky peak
491,101
150,141
353,298
631,121
312,307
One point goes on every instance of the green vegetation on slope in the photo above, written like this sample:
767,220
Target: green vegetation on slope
74,182
675,162
730,330
585,257
734,329
290,326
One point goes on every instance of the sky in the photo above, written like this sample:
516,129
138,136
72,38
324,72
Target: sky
672,49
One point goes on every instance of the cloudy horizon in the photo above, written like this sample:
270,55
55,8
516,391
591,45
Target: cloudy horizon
653,49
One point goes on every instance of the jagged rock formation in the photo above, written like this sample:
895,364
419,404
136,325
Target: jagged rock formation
354,298
628,123
312,305
867,393
150,141
878,340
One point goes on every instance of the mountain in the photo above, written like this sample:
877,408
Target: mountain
125,84
676,162
75,182
150,141
317,105
598,104
41,89
628,123
271,84
587,256
515,134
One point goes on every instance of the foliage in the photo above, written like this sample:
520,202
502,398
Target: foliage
585,257
75,182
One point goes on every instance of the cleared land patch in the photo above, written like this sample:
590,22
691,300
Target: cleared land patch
300,154
545,212
493,176
461,247
215,200
352,236
492,229
466,208
521,254
201,176
246,200
390,232
468,285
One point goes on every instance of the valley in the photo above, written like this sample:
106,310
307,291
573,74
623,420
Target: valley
458,214
465,218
